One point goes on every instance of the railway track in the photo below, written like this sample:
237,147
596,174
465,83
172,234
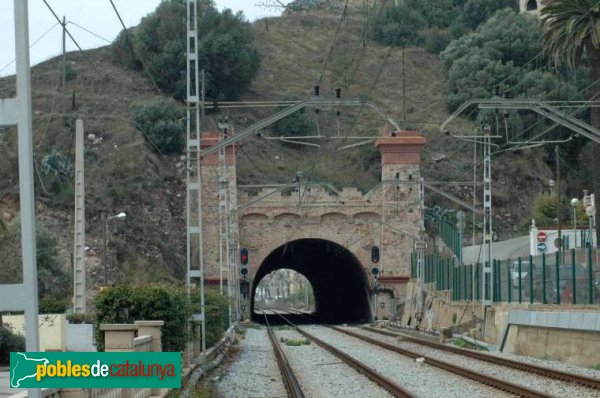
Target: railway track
377,378
525,367
498,384
289,378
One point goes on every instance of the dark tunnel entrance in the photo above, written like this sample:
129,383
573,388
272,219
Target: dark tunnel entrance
339,282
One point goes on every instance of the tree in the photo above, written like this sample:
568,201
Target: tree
399,26
161,123
570,29
476,12
437,13
496,50
226,49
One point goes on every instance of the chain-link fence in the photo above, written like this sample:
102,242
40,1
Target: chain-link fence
569,277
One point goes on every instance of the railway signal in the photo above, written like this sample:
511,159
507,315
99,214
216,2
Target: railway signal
244,261
375,254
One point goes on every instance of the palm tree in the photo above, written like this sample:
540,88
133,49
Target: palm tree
571,28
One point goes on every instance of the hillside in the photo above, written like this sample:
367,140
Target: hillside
123,174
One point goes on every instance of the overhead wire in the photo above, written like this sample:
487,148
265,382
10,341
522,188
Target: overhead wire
32,44
88,31
331,46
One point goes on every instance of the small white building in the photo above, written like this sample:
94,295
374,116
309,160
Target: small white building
531,6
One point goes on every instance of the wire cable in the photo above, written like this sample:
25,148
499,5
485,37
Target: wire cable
88,31
337,31
31,45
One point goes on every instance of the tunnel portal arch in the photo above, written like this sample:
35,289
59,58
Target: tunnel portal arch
339,281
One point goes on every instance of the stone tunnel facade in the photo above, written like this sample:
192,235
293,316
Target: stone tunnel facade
386,217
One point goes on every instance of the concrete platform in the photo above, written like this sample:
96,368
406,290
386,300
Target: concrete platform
5,389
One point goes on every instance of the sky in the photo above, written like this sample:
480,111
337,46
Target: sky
96,16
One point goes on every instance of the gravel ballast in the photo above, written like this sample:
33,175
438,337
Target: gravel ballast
543,384
419,378
254,372
323,375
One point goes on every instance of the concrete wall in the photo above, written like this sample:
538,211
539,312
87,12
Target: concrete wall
566,345
80,338
576,347
53,330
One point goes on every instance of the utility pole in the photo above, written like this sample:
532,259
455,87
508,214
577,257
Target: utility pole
420,250
79,275
488,271
16,111
194,232
63,64
558,242
403,86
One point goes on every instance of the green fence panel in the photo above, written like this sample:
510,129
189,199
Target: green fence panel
544,293
447,271
470,279
530,279
557,279
520,280
573,276
590,275
509,279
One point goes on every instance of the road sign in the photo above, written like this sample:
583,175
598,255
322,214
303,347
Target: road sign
541,246
541,236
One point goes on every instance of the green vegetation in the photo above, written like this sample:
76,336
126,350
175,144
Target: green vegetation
399,26
434,22
126,304
298,123
161,122
570,30
217,315
88,318
9,342
226,49
459,343
53,280
295,342
497,52
475,12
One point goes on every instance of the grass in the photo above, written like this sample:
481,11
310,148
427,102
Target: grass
295,342
596,366
459,343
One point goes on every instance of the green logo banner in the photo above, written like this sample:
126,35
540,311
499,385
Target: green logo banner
95,370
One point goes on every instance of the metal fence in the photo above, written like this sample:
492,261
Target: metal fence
570,277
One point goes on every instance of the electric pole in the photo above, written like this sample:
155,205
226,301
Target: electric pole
63,65
558,242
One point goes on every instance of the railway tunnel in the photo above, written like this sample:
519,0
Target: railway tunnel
338,279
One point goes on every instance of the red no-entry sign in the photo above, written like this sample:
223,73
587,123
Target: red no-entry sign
541,236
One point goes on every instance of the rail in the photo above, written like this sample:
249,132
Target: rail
377,378
289,378
467,373
539,370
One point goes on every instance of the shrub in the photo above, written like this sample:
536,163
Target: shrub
9,342
476,12
160,121
437,40
298,123
126,304
217,315
399,26
53,280
78,318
